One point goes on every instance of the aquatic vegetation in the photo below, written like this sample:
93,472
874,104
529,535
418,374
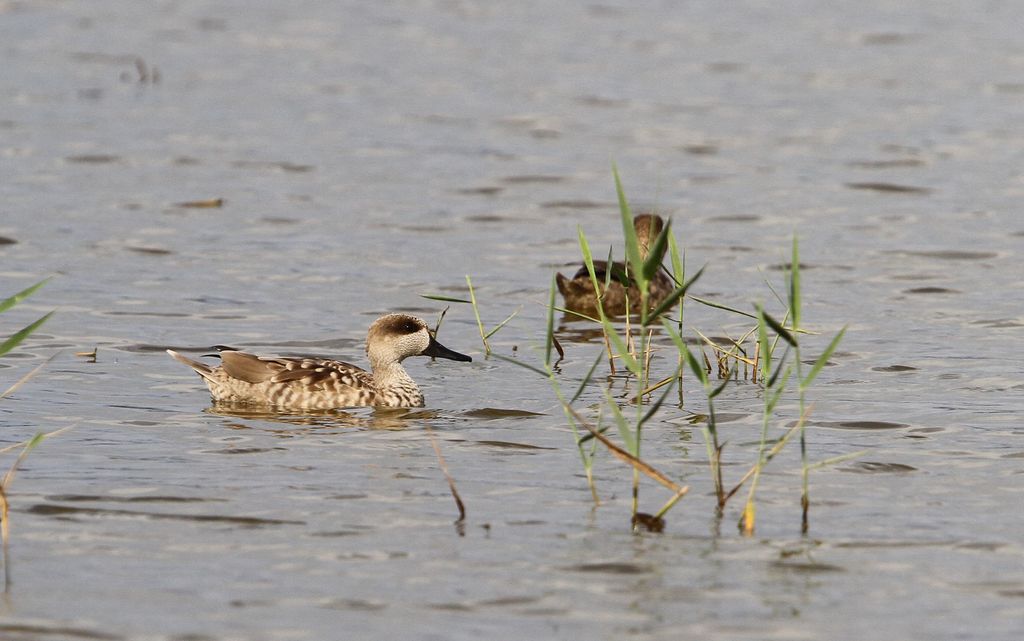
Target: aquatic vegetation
484,334
753,357
16,338
26,446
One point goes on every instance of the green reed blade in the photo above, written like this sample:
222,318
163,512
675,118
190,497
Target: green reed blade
710,303
778,368
657,404
636,264
779,329
588,257
476,313
763,347
794,285
695,365
590,436
616,272
446,299
503,323
772,289
625,433
18,337
8,303
678,261
586,379
674,296
584,316
837,459
621,349
611,270
521,364
718,390
770,404
656,253
820,363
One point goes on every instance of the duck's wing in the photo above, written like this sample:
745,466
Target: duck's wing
310,372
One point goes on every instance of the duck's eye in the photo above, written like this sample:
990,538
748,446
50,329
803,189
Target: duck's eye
409,327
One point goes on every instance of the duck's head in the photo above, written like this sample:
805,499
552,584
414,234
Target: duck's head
648,227
395,337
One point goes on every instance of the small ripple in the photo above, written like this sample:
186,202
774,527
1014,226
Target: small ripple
894,368
66,511
888,188
610,567
944,254
859,425
876,467
93,159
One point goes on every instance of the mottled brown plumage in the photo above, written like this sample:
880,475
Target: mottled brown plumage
312,383
579,293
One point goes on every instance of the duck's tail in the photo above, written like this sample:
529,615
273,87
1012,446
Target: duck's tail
202,369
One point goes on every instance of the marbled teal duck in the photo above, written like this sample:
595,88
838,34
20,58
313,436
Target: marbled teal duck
312,383
578,291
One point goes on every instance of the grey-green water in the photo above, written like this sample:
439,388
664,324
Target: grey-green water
367,153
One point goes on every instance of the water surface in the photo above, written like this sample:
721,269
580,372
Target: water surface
274,176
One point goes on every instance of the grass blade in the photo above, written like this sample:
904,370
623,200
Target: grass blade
628,458
15,339
549,337
794,284
621,349
774,400
837,459
678,261
656,253
711,303
503,323
579,314
779,329
446,299
763,348
636,263
24,379
8,303
694,364
820,363
657,404
476,312
674,296
718,390
586,379
627,435
522,364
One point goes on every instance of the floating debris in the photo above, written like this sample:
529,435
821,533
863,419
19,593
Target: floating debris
89,355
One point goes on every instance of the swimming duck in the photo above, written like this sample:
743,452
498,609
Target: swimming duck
578,291
311,383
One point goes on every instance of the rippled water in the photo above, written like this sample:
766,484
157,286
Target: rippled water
363,155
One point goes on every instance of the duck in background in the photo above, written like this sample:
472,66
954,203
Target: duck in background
579,293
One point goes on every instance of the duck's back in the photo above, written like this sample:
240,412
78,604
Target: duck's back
300,383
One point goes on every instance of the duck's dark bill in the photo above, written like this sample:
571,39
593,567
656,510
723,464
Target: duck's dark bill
437,350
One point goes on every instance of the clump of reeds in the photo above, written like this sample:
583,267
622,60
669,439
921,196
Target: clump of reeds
752,357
